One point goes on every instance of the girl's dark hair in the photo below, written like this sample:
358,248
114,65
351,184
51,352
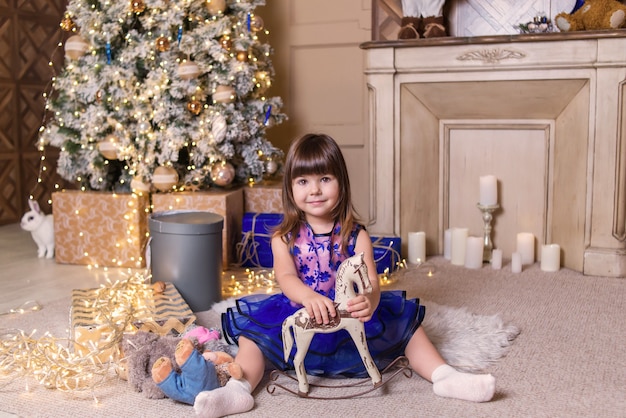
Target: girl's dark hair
316,154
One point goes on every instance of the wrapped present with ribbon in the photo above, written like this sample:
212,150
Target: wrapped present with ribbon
255,249
99,317
386,253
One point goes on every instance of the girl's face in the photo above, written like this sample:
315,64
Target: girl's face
316,195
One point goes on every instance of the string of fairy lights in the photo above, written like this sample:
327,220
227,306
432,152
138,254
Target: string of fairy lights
71,364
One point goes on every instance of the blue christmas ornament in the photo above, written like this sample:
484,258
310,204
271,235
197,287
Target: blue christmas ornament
249,22
268,113
108,49
180,34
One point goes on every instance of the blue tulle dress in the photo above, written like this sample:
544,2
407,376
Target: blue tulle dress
260,317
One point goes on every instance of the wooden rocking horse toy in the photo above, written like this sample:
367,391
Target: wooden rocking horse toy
352,271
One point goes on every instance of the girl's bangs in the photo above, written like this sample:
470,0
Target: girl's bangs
312,164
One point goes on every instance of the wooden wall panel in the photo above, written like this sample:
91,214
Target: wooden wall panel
29,34
320,77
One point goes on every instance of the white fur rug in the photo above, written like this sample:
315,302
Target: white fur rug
465,340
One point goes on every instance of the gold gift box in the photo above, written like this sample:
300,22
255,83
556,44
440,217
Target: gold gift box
264,197
98,228
98,318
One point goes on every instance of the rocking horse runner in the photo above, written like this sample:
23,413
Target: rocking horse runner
352,272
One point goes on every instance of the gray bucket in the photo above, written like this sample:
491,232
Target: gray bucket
186,250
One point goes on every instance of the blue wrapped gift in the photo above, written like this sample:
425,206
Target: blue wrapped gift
255,249
386,253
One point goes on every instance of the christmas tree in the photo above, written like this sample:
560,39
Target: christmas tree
163,94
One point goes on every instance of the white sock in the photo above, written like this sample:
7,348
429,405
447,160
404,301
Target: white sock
234,398
451,383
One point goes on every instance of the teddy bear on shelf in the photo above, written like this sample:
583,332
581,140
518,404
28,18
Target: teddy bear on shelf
198,372
422,19
593,15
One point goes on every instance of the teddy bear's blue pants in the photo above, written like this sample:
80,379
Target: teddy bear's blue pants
197,375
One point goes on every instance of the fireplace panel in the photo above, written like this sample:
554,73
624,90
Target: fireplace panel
548,130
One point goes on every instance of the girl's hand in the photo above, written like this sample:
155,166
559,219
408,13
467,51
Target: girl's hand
360,307
319,307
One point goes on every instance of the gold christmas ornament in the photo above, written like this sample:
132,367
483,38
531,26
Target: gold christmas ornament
144,127
242,56
75,47
218,128
164,178
109,147
137,6
162,44
256,23
226,42
138,186
271,166
194,106
263,80
223,174
99,96
224,94
188,70
216,7
67,24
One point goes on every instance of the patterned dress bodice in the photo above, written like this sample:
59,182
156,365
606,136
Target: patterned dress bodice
318,256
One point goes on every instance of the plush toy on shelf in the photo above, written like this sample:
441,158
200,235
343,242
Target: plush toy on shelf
422,19
198,372
593,15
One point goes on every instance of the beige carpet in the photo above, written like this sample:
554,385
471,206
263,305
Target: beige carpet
568,360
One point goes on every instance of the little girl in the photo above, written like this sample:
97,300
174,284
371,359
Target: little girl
318,232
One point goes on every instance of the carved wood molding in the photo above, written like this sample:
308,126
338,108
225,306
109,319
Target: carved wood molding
491,56
619,203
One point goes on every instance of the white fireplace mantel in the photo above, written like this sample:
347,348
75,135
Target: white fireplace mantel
543,113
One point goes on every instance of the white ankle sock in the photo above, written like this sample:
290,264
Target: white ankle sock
451,383
234,398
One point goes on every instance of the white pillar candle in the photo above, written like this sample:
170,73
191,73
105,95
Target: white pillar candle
488,190
496,259
447,244
550,257
516,263
473,252
457,251
526,247
417,247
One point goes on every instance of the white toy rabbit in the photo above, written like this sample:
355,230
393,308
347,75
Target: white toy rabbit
41,226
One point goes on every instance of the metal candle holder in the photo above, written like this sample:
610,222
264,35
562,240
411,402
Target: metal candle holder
487,211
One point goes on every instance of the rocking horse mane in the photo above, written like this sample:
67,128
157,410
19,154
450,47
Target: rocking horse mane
352,272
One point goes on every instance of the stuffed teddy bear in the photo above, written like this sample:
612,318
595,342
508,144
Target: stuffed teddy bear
140,351
593,15
198,372
422,19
